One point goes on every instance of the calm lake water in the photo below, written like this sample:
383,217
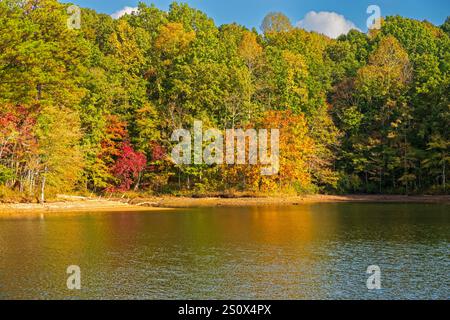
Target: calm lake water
319,251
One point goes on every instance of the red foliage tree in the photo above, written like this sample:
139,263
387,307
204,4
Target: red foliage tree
158,153
18,146
128,167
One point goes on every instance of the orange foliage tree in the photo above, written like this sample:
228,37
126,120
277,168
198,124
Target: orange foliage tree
296,154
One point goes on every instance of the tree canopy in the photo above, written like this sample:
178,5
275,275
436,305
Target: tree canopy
93,110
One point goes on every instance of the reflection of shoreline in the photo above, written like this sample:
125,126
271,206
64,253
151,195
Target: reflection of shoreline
157,203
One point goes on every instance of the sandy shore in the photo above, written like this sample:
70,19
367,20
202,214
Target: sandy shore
94,205
181,202
158,203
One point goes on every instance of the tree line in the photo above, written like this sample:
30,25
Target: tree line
93,109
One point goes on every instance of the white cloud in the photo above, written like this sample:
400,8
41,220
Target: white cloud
330,24
124,11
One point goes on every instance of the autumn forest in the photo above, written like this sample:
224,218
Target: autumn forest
92,110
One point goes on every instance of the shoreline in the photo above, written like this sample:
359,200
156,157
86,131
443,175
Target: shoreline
185,202
167,203
88,205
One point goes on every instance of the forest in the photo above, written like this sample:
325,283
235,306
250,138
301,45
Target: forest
92,110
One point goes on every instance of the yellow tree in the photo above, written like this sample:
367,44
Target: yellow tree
173,39
60,156
297,150
250,50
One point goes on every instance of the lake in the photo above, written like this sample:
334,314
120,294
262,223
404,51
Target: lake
310,251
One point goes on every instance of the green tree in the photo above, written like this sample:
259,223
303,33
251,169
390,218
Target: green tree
276,22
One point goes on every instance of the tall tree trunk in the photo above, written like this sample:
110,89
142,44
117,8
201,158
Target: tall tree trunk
136,187
444,175
44,178
31,183
39,92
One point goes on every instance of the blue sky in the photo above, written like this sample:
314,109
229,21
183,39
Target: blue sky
251,12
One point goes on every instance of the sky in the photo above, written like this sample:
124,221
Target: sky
330,17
